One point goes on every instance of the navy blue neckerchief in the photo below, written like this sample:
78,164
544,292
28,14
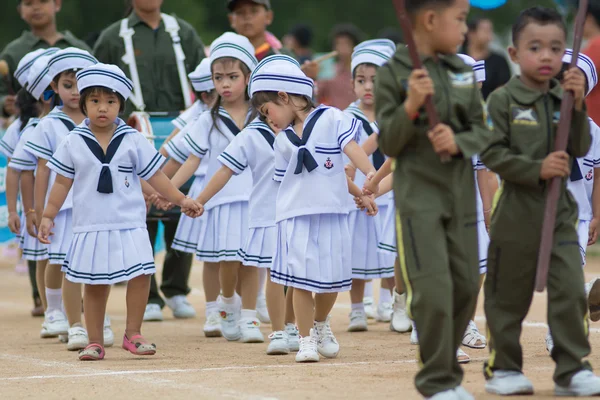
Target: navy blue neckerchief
105,181
304,157
576,174
69,124
378,158
230,125
267,135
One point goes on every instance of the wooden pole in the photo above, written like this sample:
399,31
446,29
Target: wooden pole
560,144
406,27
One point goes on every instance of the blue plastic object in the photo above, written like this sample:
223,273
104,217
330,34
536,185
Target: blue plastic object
487,4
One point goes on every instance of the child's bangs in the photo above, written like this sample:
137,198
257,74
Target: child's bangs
261,98
230,62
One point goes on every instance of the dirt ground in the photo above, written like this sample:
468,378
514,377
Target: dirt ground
376,364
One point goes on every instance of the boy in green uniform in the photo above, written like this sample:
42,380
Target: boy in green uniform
435,201
524,114
40,16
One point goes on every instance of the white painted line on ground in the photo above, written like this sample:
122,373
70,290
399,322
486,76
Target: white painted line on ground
532,324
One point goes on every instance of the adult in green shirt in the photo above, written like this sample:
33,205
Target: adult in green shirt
40,16
160,89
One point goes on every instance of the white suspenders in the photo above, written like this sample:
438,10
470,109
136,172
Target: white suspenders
172,27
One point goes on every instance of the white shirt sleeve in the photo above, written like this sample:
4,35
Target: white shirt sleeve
234,156
61,161
10,139
23,160
596,144
176,148
196,140
148,160
347,129
39,143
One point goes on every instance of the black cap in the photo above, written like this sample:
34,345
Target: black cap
231,4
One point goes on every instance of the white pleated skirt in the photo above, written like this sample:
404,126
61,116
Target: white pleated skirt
108,257
188,229
60,241
483,239
259,249
364,257
32,248
313,253
387,246
224,233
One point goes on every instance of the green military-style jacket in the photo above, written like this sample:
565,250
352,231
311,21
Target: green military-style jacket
524,122
421,181
26,43
155,58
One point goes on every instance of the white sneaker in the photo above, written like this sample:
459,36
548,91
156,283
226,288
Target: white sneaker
278,345
44,332
508,383
293,337
472,338
358,321
414,336
308,351
212,326
261,309
230,321
549,342
592,292
369,308
153,313
445,395
327,343
181,307
384,312
63,338
583,383
250,331
462,357
78,338
56,323
400,321
107,333
463,394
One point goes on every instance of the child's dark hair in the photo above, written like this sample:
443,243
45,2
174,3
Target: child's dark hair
363,65
261,98
594,11
414,6
87,92
303,34
28,107
537,15
214,111
69,72
348,30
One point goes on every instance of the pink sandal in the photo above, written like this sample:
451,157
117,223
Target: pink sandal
139,348
92,352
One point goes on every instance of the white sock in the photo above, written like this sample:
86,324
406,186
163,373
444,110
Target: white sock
358,307
248,314
369,289
385,295
212,307
262,281
54,299
228,300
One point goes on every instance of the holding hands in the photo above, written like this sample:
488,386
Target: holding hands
45,230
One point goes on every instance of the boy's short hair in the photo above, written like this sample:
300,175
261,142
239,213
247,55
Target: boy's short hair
594,11
232,3
414,6
538,15
348,30
303,34
87,92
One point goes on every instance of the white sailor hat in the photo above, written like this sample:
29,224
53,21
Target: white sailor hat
104,75
201,77
280,73
39,78
376,51
478,67
70,58
22,71
585,64
233,45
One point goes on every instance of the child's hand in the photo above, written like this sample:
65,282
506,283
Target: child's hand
443,140
191,208
420,86
369,187
556,164
45,230
31,223
350,171
368,204
14,222
575,81
161,203
593,231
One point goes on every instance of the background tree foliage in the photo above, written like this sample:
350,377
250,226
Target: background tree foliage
85,18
